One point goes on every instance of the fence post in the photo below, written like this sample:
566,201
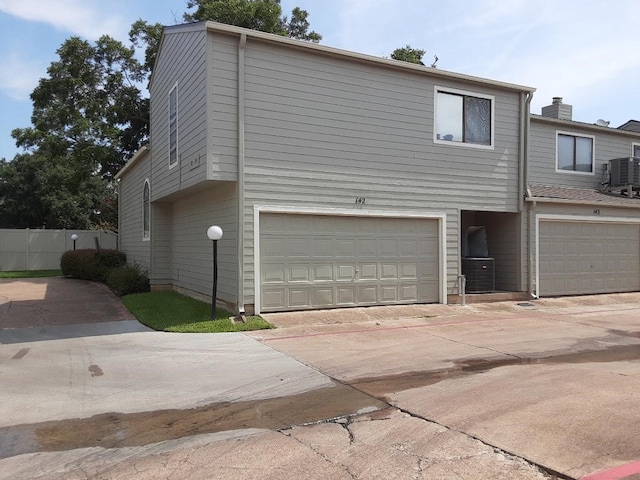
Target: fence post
28,263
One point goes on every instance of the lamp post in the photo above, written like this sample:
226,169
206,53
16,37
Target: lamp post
214,233
74,237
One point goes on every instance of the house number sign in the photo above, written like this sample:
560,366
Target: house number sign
360,200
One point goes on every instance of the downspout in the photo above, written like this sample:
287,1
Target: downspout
241,159
526,129
523,173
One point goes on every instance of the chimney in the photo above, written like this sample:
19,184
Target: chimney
557,109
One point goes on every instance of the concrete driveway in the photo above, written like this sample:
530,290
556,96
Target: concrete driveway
49,308
538,390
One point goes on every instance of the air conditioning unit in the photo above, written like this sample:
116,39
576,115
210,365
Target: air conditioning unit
480,274
624,171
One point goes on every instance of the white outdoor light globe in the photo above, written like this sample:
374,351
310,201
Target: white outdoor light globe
214,232
74,237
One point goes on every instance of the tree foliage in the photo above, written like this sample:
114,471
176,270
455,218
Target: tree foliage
146,36
408,54
262,15
37,190
90,115
89,107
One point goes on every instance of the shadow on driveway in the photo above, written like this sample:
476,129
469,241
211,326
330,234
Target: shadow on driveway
51,308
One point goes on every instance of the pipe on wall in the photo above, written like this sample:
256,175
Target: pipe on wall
523,183
241,158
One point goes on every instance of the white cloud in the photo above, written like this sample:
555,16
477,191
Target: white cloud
18,77
89,19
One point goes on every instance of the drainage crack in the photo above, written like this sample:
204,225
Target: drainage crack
288,433
553,474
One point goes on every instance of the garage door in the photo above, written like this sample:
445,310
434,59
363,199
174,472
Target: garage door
581,257
320,261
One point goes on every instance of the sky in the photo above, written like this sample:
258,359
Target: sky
585,51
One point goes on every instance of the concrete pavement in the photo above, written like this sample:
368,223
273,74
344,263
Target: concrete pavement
55,301
511,390
553,381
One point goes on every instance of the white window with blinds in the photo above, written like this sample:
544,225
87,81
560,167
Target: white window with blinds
575,153
464,118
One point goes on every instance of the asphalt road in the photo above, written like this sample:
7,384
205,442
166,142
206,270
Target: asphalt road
490,391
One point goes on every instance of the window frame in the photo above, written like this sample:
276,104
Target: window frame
634,146
463,93
172,104
593,152
146,211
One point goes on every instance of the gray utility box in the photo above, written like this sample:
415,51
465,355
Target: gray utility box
624,171
480,274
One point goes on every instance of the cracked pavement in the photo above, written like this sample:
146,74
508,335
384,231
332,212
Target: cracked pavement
420,392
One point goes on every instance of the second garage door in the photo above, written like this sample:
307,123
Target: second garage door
585,257
322,261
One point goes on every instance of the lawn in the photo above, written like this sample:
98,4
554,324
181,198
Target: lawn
31,274
172,312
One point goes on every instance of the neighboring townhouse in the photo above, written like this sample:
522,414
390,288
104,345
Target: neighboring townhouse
582,203
339,179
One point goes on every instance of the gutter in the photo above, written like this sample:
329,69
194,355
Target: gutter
241,160
523,173
591,203
524,185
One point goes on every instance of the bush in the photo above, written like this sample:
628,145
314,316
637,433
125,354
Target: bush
89,264
128,279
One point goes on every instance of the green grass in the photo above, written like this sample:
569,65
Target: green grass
31,274
172,312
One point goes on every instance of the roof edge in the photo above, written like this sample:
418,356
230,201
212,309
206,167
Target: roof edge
291,42
575,123
132,161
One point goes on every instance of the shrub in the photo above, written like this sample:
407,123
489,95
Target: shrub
89,264
128,279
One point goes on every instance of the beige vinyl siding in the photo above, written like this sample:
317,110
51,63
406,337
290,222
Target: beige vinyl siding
191,250
542,161
223,107
130,223
183,62
322,131
160,273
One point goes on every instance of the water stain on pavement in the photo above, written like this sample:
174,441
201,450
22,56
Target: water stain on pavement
114,430
382,387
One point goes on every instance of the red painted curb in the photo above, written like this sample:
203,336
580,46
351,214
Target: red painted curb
616,473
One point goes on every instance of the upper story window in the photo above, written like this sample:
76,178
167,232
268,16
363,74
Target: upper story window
636,150
146,211
464,118
575,153
173,126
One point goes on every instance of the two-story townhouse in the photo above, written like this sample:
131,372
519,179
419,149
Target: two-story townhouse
339,179
584,229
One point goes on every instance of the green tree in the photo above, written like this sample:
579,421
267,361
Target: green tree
89,109
89,116
146,36
37,190
408,54
262,15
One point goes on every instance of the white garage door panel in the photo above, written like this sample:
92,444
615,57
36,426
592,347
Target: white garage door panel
582,258
316,261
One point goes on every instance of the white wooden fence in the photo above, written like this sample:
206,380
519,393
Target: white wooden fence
36,249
